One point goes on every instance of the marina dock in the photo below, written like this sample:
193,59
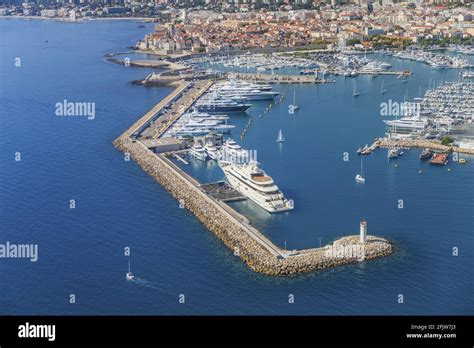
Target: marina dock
279,78
232,228
163,79
420,143
163,115
222,191
146,63
181,159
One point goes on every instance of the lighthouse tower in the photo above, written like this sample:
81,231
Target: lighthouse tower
363,231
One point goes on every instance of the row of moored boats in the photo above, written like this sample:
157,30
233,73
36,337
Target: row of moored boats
209,113
241,170
435,115
436,61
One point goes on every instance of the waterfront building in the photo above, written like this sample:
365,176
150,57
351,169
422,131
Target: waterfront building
163,144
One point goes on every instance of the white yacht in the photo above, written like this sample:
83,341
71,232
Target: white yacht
243,84
244,94
408,124
203,115
198,123
232,152
394,152
216,104
360,177
239,83
467,74
213,152
244,91
129,274
212,125
198,152
466,50
188,132
255,184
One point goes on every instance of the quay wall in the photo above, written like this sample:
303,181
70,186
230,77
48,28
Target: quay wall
234,235
279,78
234,230
163,79
423,144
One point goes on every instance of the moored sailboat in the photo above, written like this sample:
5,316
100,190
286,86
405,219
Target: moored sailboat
355,93
382,90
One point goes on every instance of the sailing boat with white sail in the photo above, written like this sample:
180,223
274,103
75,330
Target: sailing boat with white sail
45,32
295,107
129,274
382,90
280,138
360,177
355,93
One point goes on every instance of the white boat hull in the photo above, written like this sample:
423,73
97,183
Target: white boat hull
246,97
199,155
254,195
360,179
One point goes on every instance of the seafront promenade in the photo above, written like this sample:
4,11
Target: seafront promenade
233,229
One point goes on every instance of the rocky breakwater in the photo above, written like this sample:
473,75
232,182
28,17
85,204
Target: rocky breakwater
237,235
420,143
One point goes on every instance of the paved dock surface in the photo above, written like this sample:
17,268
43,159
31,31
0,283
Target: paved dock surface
222,191
174,111
421,143
279,78
231,227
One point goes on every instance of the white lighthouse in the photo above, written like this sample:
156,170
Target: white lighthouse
363,231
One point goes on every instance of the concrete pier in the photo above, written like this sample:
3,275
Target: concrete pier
421,143
279,78
175,104
232,228
147,63
155,79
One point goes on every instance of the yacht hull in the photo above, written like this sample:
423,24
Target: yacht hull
252,194
210,109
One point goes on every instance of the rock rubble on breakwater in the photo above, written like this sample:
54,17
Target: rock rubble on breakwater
235,236
437,146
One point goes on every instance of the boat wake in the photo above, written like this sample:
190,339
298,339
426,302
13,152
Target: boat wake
146,283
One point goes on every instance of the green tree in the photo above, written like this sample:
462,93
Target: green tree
446,140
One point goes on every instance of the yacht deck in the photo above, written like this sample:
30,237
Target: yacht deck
261,178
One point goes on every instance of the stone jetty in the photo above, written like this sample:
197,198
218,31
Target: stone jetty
421,143
279,78
246,242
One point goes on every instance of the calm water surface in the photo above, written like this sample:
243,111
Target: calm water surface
118,205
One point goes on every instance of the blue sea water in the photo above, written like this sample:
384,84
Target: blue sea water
81,250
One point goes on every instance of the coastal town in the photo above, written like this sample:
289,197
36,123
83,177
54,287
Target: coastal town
239,157
216,26
223,58
194,124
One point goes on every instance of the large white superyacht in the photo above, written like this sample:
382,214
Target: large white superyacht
255,184
233,152
408,124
